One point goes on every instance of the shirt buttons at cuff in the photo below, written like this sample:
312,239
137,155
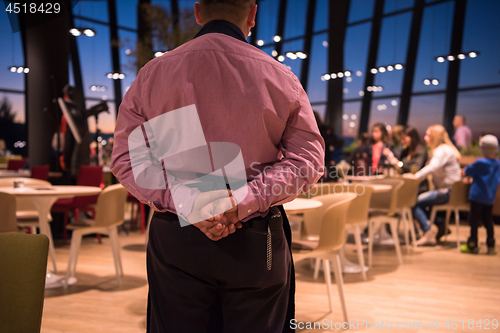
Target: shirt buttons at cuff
249,211
180,206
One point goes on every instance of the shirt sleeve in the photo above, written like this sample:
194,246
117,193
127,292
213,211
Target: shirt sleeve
303,151
476,169
437,161
134,164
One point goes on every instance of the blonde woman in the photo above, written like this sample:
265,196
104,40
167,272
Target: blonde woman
445,171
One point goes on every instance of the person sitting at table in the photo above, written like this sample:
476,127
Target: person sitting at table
361,157
414,154
380,138
445,171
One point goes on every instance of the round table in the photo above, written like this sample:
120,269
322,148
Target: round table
43,199
300,205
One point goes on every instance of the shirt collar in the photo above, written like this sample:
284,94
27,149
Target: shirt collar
223,27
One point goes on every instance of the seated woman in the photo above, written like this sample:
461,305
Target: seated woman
380,138
413,156
445,171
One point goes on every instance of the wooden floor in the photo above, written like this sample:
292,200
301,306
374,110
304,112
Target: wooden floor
434,284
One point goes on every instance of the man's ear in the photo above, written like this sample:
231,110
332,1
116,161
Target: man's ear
251,16
197,13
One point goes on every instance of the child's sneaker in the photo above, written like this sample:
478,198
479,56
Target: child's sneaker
464,248
492,251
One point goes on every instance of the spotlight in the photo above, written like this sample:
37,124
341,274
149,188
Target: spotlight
374,71
358,73
440,59
115,76
301,55
451,58
333,76
369,88
325,43
260,42
274,53
128,52
281,58
361,93
75,32
353,117
398,66
13,69
348,79
291,55
345,117
472,54
381,69
352,124
89,32
394,102
327,77
435,82
277,38
347,73
26,70
20,69
390,68
340,74
427,82
461,56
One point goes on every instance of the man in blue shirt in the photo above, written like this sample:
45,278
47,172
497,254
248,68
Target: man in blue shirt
485,173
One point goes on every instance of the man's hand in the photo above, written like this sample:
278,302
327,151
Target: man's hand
209,214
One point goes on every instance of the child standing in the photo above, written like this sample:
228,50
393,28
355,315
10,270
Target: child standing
485,173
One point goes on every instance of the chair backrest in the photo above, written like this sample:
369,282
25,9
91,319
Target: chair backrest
8,213
459,194
89,176
24,205
386,200
323,189
40,172
358,210
332,233
408,193
110,208
22,281
15,164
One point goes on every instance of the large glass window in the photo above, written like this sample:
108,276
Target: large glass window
295,21
11,55
350,118
384,110
426,110
480,107
482,35
318,66
294,64
392,51
127,13
95,60
360,10
321,17
355,58
267,20
105,121
396,5
97,10
435,41
128,66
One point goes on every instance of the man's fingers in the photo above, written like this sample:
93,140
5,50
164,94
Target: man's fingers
238,225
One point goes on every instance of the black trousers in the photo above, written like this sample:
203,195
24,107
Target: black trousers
477,211
197,285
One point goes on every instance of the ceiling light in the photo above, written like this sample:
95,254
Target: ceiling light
260,42
440,59
277,38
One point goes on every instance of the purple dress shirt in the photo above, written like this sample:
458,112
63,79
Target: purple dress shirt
241,96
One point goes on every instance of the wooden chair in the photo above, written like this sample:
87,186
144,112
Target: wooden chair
459,201
22,281
109,215
331,239
87,176
8,217
384,210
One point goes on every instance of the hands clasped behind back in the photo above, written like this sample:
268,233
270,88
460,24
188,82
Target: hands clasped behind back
218,213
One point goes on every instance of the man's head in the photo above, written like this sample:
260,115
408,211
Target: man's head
240,12
458,121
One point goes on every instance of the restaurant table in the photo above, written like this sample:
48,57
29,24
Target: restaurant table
300,205
25,174
43,198
363,178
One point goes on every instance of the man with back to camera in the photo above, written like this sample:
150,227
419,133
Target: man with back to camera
211,252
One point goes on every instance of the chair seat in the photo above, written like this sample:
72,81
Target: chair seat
63,202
